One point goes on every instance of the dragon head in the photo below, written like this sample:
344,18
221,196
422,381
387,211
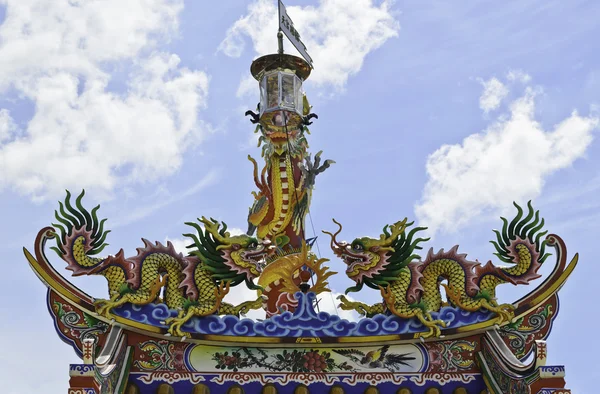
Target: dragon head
233,258
279,140
283,131
375,262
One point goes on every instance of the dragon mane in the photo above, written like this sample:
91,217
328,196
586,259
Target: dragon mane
397,260
523,228
297,147
72,220
206,248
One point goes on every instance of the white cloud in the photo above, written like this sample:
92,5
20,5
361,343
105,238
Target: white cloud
60,55
233,231
510,160
494,92
180,244
519,76
329,303
248,86
338,34
7,125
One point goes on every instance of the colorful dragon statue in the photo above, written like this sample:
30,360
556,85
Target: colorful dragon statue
282,202
286,181
286,274
410,287
193,284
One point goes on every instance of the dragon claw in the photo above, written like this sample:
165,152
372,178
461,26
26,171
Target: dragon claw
433,326
175,327
103,307
359,307
505,312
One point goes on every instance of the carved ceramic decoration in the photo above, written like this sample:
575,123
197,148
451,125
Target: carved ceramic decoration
453,356
520,335
73,325
164,324
405,358
195,284
410,286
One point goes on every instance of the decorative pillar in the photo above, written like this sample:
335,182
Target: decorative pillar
165,389
201,389
82,376
235,390
549,377
269,389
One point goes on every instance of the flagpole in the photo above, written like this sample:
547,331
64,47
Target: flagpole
286,26
279,32
280,41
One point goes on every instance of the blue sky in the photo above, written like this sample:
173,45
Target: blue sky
444,112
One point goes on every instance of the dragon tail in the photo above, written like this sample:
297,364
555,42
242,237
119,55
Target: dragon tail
80,235
520,243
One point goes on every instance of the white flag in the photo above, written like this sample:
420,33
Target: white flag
287,26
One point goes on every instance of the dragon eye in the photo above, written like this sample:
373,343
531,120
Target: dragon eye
252,245
357,246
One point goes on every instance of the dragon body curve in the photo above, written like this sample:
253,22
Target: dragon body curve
194,284
280,199
411,286
286,180
285,184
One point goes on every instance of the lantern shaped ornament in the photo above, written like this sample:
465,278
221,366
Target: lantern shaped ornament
281,101
282,104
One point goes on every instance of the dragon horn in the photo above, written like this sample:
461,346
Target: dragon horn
212,227
260,183
333,236
397,229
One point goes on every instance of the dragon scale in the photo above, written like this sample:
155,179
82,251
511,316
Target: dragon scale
282,181
411,287
193,284
156,266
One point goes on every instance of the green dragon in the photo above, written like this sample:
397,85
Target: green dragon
410,287
194,284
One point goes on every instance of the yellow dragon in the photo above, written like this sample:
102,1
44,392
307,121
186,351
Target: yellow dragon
410,287
193,284
286,181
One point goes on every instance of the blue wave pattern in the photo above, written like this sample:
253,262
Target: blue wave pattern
303,322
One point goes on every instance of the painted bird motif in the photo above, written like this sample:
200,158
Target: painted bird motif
377,358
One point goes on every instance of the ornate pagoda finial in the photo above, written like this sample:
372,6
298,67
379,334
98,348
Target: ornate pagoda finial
286,182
